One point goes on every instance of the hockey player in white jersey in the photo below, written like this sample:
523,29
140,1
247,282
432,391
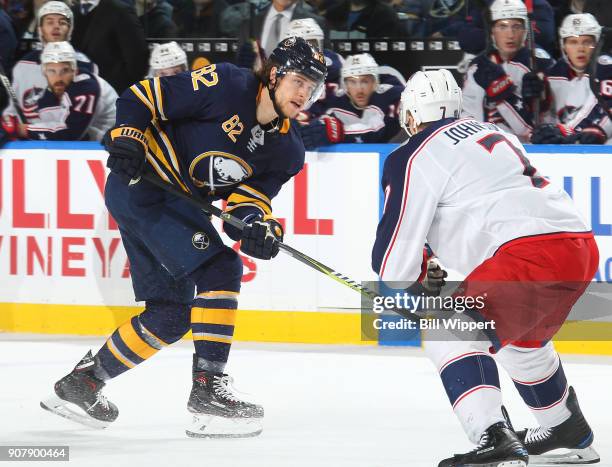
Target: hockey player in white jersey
55,24
578,115
499,86
363,111
75,105
468,190
167,59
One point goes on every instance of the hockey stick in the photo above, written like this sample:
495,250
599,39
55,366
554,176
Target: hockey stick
6,83
532,58
298,255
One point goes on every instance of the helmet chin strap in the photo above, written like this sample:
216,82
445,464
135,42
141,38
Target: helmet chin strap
277,109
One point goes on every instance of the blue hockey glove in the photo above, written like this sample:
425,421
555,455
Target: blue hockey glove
592,135
126,147
549,133
493,79
532,86
260,238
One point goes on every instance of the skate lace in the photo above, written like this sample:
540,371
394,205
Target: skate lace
223,388
535,435
484,440
101,400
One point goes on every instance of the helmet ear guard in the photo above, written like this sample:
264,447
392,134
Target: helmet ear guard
429,96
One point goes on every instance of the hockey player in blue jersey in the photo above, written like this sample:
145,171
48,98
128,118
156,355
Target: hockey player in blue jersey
217,132
579,115
74,106
362,111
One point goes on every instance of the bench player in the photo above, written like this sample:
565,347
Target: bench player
468,190
578,114
362,111
499,86
76,105
217,132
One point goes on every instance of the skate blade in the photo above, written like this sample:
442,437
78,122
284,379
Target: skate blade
508,463
211,426
72,412
569,457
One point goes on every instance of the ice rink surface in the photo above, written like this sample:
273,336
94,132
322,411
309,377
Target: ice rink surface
329,406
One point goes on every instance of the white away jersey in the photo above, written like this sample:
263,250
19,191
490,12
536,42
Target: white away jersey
574,104
465,188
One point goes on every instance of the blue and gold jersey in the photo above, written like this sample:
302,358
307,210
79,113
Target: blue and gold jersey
202,135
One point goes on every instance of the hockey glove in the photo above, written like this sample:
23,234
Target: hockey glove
553,134
260,238
432,284
13,128
532,86
592,135
493,79
325,131
126,147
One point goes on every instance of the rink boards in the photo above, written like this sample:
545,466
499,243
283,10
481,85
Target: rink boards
64,271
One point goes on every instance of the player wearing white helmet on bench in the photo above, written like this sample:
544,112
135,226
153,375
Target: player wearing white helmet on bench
362,111
578,114
499,85
55,23
167,60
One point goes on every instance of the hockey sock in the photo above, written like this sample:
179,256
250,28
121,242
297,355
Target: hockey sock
129,345
213,317
540,380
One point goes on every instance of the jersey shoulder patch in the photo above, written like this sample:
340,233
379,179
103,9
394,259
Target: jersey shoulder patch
604,60
541,53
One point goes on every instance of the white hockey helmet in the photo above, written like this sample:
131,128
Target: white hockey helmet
508,9
55,8
58,52
308,29
429,96
358,65
583,24
167,55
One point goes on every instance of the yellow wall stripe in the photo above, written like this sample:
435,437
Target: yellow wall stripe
134,342
213,316
251,325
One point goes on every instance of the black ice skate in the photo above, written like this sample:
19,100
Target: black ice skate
78,397
498,447
217,412
568,443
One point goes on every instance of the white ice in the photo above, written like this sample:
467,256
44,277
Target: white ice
331,406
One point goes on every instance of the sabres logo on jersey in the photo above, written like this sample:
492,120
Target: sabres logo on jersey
216,169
